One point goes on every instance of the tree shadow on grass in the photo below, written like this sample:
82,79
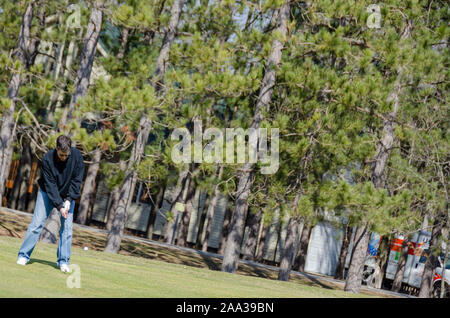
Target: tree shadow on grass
312,281
41,261
255,271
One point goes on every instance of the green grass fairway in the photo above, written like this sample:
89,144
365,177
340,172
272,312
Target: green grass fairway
111,275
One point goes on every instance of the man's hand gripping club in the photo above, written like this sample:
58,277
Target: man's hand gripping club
65,209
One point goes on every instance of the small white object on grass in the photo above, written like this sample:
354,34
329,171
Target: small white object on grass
85,248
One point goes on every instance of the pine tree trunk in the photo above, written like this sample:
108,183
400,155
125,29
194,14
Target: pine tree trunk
168,229
123,43
15,191
426,285
355,271
380,160
87,60
89,187
33,195
289,250
169,37
154,212
234,239
126,191
115,236
90,209
225,228
8,153
201,222
211,210
354,278
19,191
120,215
300,259
25,52
235,235
254,220
208,217
398,278
177,196
24,196
58,95
186,216
57,91
353,282
277,244
262,244
29,186
115,195
340,269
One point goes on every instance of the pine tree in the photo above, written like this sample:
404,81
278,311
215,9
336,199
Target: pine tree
232,249
25,54
127,189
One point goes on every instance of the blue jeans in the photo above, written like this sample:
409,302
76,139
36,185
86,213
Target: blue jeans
41,212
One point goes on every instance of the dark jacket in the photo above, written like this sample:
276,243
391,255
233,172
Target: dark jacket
62,180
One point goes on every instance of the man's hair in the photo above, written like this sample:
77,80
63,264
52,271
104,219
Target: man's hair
63,143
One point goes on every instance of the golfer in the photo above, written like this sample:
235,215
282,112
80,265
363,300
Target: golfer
59,187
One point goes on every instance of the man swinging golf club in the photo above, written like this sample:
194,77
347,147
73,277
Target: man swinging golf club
59,187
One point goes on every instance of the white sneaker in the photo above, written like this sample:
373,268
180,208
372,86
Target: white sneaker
65,268
22,261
